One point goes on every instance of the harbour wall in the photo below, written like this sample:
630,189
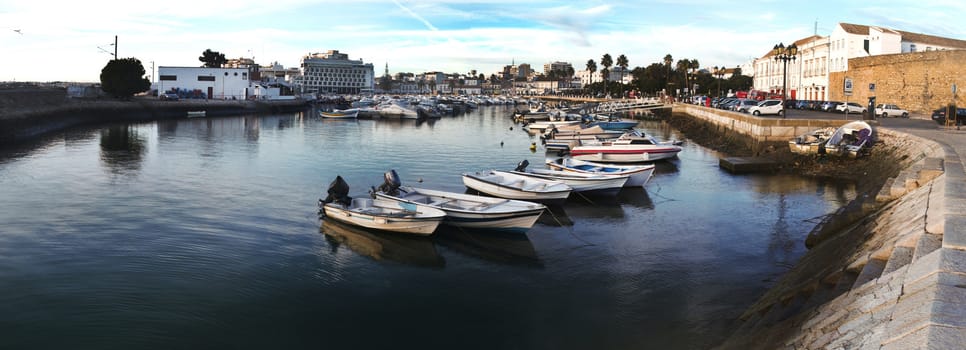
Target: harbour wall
917,81
894,278
757,129
27,114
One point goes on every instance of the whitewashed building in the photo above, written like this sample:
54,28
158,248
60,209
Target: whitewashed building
204,82
334,72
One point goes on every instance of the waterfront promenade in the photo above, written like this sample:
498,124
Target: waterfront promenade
893,280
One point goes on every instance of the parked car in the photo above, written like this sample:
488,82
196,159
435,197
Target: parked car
768,107
850,107
829,106
743,105
886,110
169,96
939,115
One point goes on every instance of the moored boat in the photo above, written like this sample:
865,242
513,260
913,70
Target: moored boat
639,175
351,113
854,139
379,214
587,183
466,210
512,186
632,147
197,114
811,142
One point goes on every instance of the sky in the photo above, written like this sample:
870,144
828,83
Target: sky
42,40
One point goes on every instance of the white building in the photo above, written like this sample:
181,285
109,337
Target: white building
556,66
334,72
855,40
812,75
204,82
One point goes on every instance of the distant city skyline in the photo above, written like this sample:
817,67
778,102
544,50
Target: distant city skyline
56,41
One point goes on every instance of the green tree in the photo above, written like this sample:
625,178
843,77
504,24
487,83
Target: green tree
122,78
591,67
385,83
432,86
420,84
622,62
607,62
667,78
212,59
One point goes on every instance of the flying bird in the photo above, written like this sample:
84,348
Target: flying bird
18,31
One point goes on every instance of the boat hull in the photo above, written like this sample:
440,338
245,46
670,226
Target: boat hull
386,218
597,184
623,154
638,175
471,211
351,114
496,184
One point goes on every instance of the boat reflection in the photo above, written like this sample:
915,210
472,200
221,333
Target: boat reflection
635,196
500,247
417,251
595,206
555,216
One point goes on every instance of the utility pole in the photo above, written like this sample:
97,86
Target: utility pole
115,47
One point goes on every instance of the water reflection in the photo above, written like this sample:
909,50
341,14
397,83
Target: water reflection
416,251
122,149
636,196
555,216
499,247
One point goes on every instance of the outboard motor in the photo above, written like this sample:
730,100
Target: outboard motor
338,192
522,166
390,184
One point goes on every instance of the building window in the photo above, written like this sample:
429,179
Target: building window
168,77
912,47
206,78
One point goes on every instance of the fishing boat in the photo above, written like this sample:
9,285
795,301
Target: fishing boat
610,122
631,147
587,183
811,142
197,114
379,214
504,184
351,113
854,139
638,174
465,210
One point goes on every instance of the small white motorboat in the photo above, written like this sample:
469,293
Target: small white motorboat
638,174
811,142
853,139
379,214
587,183
351,113
465,210
504,184
632,147
197,114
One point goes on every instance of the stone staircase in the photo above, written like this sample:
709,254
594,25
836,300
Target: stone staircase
848,291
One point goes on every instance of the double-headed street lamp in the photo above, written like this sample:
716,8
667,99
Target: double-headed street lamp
785,54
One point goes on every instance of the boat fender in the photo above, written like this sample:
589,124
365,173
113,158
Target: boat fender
533,146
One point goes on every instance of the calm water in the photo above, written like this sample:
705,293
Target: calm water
204,233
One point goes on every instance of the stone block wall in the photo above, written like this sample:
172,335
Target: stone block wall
919,82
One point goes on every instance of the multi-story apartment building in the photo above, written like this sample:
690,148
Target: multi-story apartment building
556,66
334,72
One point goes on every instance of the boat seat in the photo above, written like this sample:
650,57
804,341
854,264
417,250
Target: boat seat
419,199
361,202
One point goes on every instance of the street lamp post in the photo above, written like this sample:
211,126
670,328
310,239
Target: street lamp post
785,54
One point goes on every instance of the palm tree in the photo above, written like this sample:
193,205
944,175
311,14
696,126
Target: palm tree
606,61
683,66
667,79
622,62
693,65
591,67
432,86
420,84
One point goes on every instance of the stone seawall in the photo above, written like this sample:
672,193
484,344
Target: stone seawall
758,129
26,121
894,279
